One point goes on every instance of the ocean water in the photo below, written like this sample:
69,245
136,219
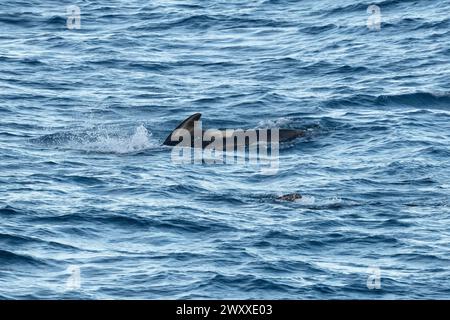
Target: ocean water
93,207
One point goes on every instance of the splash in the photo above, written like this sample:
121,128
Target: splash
109,142
101,139
306,200
277,123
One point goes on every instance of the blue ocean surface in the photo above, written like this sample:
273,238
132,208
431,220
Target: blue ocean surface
92,206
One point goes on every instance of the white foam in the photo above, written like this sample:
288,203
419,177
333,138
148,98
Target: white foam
277,123
106,141
306,200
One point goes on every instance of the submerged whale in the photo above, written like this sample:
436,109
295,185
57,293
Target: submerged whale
261,135
290,197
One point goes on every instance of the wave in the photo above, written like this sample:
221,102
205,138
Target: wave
127,220
33,20
247,283
57,21
205,21
10,258
24,60
362,7
315,30
23,20
15,240
7,210
418,99
422,100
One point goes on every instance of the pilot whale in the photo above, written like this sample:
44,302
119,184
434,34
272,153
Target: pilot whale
191,130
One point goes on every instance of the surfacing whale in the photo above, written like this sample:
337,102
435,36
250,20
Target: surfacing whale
262,135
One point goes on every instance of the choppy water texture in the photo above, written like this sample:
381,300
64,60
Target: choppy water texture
84,181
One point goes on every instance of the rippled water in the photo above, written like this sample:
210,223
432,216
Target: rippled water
85,184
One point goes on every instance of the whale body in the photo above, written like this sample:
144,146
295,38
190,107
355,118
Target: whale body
262,135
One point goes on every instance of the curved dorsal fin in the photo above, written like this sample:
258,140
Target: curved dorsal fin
187,124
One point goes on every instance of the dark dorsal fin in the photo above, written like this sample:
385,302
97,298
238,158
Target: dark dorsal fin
187,124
